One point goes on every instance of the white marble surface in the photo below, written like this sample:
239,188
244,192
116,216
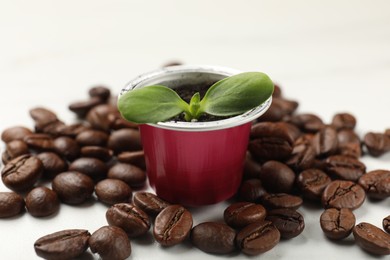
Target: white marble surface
331,56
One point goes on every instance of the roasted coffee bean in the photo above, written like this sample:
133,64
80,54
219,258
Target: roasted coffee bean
344,167
101,92
241,214
71,130
372,239
376,184
251,190
343,121
52,164
112,191
337,223
279,108
386,224
351,150
258,238
308,123
132,175
325,142
343,194
128,217
290,223
5,158
42,117
136,158
92,167
149,203
116,122
281,200
67,147
303,154
98,116
22,172
111,243
377,143
73,187
124,140
15,133
312,183
270,141
251,167
92,137
62,245
213,238
16,148
11,204
277,177
42,202
346,136
81,108
40,142
172,225
53,129
97,152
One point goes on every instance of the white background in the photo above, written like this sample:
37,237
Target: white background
331,56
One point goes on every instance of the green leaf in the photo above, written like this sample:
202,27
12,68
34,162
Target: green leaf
151,104
237,94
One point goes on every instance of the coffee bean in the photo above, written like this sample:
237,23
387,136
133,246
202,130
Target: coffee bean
101,92
71,130
11,204
116,122
344,167
345,136
277,177
312,183
376,184
15,133
270,141
241,214
351,150
213,238
52,164
16,148
97,152
251,167
343,194
111,243
377,143
40,142
308,123
42,117
337,223
5,158
386,224
130,218
98,116
290,223
22,172
67,147
81,108
132,175
303,154
172,225
112,191
66,244
149,203
257,238
281,200
349,143
92,137
251,190
73,187
124,140
92,167
372,239
42,202
136,158
279,108
325,142
53,129
343,121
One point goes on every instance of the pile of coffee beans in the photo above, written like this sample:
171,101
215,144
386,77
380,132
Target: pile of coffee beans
292,158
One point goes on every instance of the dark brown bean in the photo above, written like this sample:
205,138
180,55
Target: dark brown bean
130,218
81,108
325,142
312,183
101,92
377,143
92,138
124,140
42,117
98,116
22,172
112,191
281,200
213,238
257,238
71,130
62,245
73,187
343,121
337,223
97,152
172,225
42,202
52,164
136,158
343,194
344,167
15,133
132,175
241,214
92,167
16,148
251,190
279,108
277,177
372,239
376,184
67,147
308,123
386,224
11,204
303,154
251,167
116,122
290,223
40,142
149,203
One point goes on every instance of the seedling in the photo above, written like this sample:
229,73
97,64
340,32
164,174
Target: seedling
228,97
